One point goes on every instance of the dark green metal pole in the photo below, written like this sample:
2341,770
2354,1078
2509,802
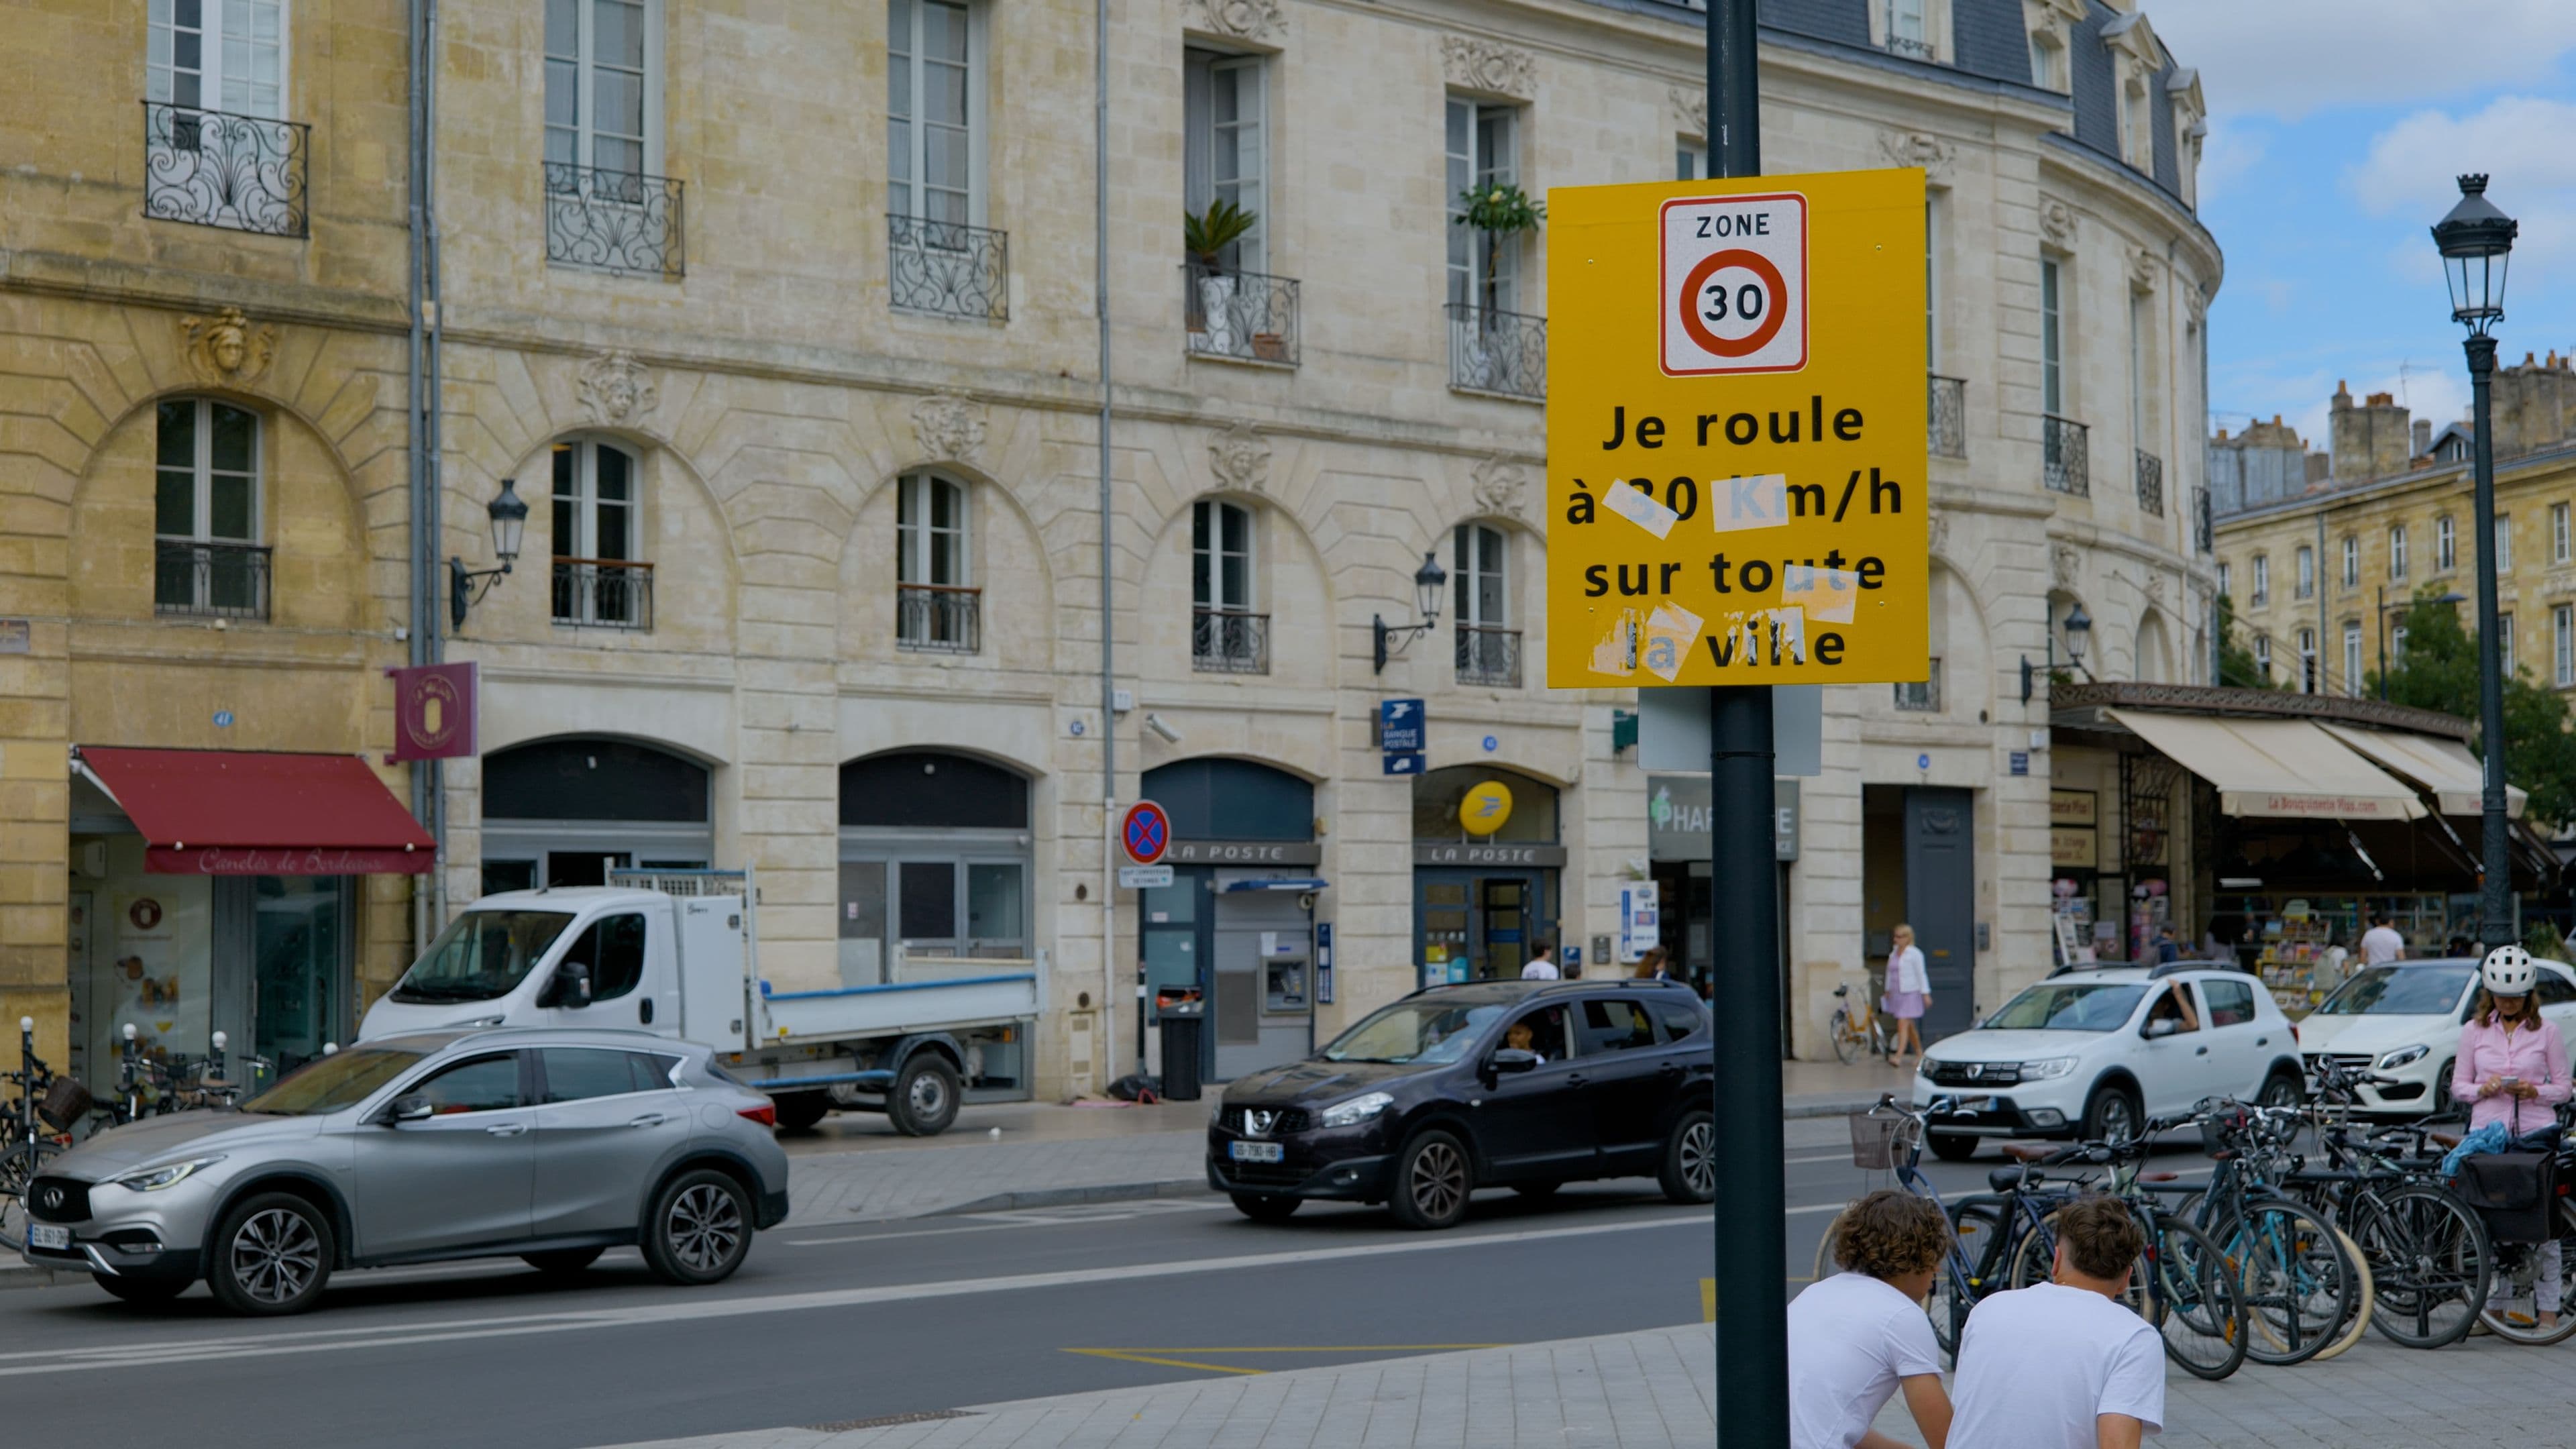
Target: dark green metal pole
2495,895
1752,1253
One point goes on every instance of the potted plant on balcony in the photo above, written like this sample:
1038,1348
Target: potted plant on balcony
1205,236
1501,213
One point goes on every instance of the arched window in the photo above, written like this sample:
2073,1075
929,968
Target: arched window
565,812
1215,798
1437,795
1227,634
598,504
936,605
218,55
1489,648
934,860
206,511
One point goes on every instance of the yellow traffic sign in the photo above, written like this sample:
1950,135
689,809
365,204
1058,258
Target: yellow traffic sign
1735,432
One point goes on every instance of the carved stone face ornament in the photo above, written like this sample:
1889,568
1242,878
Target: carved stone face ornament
226,348
616,387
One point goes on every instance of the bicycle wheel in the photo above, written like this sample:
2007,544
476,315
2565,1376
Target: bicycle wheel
2429,1262
1846,1040
2297,1286
19,1166
2190,1293
2520,1290
2357,1320
1954,1290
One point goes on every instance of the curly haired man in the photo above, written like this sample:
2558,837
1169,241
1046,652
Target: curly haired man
1857,1337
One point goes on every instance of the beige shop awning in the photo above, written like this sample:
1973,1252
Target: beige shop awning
2281,769
2442,768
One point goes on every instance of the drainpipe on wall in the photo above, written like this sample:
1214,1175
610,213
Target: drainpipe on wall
422,618
1110,1006
423,398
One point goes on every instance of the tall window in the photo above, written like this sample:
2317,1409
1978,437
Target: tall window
2558,533
1489,648
2262,579
931,111
1226,635
2226,577
1690,159
2351,562
2397,552
1932,209
2446,545
2263,656
2396,641
1483,151
2052,365
597,577
217,55
1224,156
2562,628
2306,583
2308,681
2504,645
2352,657
2504,543
602,59
935,606
2138,373
205,511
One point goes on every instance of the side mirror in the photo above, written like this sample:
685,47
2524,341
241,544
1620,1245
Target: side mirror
570,986
1512,1059
2162,1026
412,1108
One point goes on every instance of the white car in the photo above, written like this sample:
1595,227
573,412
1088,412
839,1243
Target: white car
2092,1055
2403,1020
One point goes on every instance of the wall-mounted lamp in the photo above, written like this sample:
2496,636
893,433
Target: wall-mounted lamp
466,587
1428,583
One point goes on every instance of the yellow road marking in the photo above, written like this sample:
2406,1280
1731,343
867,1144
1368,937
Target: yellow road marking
1213,1368
1708,1300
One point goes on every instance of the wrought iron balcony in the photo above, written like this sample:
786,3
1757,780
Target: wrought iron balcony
1946,417
2151,483
938,618
1910,48
948,268
1489,656
1229,641
1498,352
1921,696
209,580
212,168
615,221
2065,458
1243,315
604,593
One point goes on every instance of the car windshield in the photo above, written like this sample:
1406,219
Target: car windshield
2070,1006
327,1084
1416,1031
481,955
2399,991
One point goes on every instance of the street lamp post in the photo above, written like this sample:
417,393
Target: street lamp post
466,587
1428,581
2476,241
2079,633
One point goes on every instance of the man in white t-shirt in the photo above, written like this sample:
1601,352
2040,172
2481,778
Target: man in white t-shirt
1857,1337
1541,967
2064,1365
2381,944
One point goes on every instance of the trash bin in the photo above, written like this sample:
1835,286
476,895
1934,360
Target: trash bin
1181,1023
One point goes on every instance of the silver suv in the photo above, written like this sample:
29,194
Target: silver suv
548,1145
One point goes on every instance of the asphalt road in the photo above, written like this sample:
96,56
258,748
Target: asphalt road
831,1324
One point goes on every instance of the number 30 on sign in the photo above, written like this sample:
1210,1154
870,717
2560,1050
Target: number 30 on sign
1735,451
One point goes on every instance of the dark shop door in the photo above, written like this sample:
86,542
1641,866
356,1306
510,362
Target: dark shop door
1940,901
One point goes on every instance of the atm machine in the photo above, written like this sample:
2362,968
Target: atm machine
1263,971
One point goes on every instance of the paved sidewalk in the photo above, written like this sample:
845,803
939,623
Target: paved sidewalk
1830,1089
987,1175
1651,1390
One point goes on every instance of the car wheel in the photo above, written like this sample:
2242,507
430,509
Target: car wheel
800,1110
924,1099
1432,1180
2281,1089
142,1290
1689,1172
2112,1115
273,1253
700,1230
1265,1209
2444,1104
561,1262
1537,1191
1951,1146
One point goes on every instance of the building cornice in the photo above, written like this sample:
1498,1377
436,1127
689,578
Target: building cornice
2379,490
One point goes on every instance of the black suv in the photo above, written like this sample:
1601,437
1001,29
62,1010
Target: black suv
1520,1084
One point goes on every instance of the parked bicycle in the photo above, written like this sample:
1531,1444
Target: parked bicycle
1851,1032
38,1128
2427,1250
2307,1287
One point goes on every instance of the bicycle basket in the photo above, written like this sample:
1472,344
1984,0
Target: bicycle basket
1879,1139
2225,1127
66,1103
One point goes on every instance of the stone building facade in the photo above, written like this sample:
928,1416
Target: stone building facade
783,325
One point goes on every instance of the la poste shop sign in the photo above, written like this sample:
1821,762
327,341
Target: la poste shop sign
1735,432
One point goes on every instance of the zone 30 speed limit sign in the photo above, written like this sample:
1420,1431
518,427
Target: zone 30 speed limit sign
1735,284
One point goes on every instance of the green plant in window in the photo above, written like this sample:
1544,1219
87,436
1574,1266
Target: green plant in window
1502,210
1206,235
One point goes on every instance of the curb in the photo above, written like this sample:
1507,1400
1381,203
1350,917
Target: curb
1798,1111
1070,1196
19,1275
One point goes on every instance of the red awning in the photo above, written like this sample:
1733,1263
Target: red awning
235,812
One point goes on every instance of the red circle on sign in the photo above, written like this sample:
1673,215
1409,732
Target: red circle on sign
1753,341
1146,832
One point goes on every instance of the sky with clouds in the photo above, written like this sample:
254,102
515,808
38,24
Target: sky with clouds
2336,128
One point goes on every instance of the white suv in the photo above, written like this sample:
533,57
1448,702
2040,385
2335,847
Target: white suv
2094,1054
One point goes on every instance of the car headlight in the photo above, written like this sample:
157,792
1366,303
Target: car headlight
153,1179
1216,1107
2403,1056
2046,1067
1923,1066
1357,1110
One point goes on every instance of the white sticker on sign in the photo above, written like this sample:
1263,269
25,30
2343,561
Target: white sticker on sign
1640,508
1734,284
1617,651
1828,595
1761,501
1670,632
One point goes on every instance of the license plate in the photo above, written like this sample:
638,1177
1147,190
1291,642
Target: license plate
42,1235
1975,1104
1259,1152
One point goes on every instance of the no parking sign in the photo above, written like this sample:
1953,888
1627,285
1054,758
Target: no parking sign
1146,832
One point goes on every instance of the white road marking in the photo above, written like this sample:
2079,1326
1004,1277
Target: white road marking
995,1222
124,1354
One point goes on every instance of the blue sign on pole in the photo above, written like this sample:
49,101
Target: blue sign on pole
1408,763
1399,727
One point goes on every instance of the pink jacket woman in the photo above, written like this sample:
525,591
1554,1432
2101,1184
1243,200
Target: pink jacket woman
2490,1052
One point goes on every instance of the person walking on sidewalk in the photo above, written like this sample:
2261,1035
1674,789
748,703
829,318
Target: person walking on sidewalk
1857,1337
1541,966
1909,992
2381,944
2513,1073
2064,1364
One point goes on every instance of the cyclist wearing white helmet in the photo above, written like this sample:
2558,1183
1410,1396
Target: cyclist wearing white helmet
2513,1071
